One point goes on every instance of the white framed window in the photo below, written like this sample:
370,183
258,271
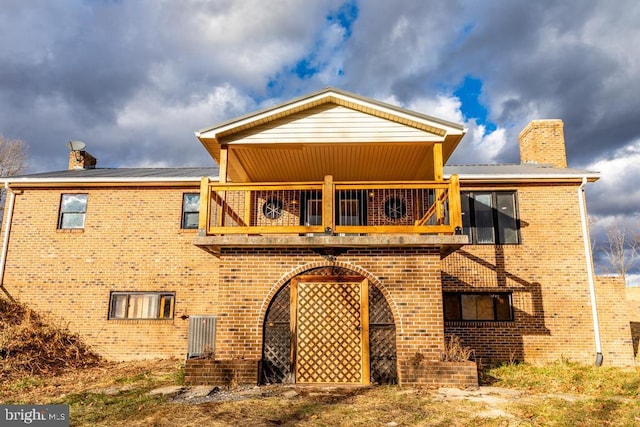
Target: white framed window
141,305
73,209
190,210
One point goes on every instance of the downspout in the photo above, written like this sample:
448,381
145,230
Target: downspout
592,286
7,230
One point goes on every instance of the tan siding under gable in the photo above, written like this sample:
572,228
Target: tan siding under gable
330,123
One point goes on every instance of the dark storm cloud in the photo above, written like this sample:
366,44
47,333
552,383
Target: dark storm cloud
135,78
80,69
571,60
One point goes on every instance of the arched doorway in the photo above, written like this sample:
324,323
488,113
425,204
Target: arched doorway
341,331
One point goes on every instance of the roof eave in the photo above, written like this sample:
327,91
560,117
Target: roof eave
57,182
528,177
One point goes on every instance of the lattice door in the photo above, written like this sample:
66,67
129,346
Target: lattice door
332,339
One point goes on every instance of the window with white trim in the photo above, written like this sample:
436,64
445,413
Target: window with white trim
73,209
141,305
190,210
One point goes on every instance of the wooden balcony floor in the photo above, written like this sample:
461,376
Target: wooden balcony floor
446,243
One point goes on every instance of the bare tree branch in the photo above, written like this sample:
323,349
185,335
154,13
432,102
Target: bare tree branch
622,248
13,154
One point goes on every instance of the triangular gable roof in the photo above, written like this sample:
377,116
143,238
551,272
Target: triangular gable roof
339,97
276,126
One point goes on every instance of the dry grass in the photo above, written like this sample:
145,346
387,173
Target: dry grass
117,394
50,366
454,351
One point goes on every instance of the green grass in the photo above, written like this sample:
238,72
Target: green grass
94,408
588,412
26,383
567,377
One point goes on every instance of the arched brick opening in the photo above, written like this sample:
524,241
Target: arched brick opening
277,365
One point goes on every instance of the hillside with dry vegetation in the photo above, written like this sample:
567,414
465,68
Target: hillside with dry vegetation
31,344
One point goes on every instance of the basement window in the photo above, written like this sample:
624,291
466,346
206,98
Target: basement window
490,217
141,305
190,210
73,209
462,306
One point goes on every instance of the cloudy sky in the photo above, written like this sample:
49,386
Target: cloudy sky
135,78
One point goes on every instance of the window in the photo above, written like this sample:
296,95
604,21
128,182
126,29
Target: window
190,210
395,208
272,208
490,217
141,305
73,208
351,207
311,208
478,306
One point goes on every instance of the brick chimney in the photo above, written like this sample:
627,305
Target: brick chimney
80,159
542,141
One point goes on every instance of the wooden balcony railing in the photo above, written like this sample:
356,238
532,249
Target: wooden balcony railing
419,207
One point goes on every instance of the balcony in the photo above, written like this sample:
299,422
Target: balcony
330,215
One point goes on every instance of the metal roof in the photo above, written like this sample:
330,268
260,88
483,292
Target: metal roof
121,173
496,172
523,171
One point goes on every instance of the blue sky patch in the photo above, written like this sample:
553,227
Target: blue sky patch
310,65
469,94
345,16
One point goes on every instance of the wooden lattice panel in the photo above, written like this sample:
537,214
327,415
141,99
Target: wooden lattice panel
277,340
329,332
382,339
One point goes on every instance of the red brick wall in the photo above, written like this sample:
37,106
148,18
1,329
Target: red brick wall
547,275
542,141
132,241
440,374
228,373
633,304
409,279
613,318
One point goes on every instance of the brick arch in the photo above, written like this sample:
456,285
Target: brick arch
319,264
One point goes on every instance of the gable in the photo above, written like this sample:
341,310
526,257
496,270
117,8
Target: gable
330,124
308,138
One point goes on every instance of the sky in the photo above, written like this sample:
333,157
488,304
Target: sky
134,79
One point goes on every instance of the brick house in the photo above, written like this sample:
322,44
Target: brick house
332,245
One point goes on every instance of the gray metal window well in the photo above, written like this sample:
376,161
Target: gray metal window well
202,336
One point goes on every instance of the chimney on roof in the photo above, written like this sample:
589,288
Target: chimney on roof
542,141
78,157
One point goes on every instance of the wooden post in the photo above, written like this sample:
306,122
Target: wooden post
438,166
205,207
455,205
438,176
293,325
364,332
328,199
222,179
247,207
224,164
